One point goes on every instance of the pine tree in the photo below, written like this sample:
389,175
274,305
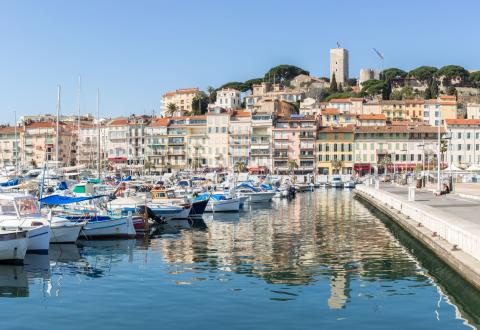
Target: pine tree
340,87
428,93
433,89
333,84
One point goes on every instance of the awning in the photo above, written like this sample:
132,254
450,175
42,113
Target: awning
63,200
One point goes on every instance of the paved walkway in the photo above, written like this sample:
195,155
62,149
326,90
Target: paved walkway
453,205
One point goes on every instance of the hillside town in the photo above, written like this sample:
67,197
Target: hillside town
280,125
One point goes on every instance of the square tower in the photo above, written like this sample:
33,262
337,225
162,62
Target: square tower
339,65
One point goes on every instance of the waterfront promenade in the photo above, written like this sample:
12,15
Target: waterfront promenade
449,225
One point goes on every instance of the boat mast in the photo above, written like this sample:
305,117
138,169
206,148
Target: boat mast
16,143
57,147
98,131
78,118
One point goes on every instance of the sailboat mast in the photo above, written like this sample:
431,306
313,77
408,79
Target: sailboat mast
57,146
98,131
78,118
16,144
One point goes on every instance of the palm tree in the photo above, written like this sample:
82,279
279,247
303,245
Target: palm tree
148,166
196,163
292,166
212,94
385,162
239,167
337,164
171,109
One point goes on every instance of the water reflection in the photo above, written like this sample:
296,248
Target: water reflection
325,244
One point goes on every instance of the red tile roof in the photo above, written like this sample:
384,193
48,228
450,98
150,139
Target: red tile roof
118,122
330,111
462,121
9,130
372,117
159,122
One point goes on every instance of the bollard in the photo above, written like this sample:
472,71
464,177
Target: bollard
411,194
377,184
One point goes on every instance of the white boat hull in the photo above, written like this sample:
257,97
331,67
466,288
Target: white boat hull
228,205
65,234
13,249
111,228
259,197
38,239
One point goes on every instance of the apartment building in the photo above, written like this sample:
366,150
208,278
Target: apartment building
334,147
405,145
261,142
294,144
156,135
218,134
437,111
240,134
348,105
371,120
39,144
136,139
464,145
334,117
117,147
473,110
270,91
181,98
228,99
88,137
9,145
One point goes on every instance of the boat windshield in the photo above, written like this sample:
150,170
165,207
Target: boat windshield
7,207
26,206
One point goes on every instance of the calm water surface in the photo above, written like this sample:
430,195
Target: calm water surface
323,260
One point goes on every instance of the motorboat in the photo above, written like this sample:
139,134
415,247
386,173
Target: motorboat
349,184
336,181
19,212
13,246
254,194
220,203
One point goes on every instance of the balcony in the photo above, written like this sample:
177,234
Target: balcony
264,141
260,152
307,155
280,146
176,141
307,136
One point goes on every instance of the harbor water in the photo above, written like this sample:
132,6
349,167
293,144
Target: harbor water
323,260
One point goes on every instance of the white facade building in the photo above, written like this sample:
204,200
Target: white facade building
228,98
464,145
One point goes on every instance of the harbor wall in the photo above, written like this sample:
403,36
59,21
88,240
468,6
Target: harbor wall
446,238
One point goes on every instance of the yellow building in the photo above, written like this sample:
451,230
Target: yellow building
181,98
335,146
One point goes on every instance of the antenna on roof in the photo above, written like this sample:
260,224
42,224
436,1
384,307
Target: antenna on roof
338,45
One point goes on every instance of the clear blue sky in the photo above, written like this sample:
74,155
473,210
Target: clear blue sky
134,51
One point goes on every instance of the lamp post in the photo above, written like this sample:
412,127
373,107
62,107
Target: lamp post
439,152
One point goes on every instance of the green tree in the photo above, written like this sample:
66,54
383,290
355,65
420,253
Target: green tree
239,86
475,79
212,94
451,90
148,166
283,73
423,73
247,85
407,93
449,72
396,95
374,87
340,88
352,82
427,94
337,165
240,167
199,104
385,162
333,84
433,88
393,73
171,108
292,166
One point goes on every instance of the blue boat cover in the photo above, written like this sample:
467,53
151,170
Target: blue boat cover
10,183
62,186
215,197
63,200
266,186
248,186
183,183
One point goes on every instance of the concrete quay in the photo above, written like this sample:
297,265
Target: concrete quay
448,225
